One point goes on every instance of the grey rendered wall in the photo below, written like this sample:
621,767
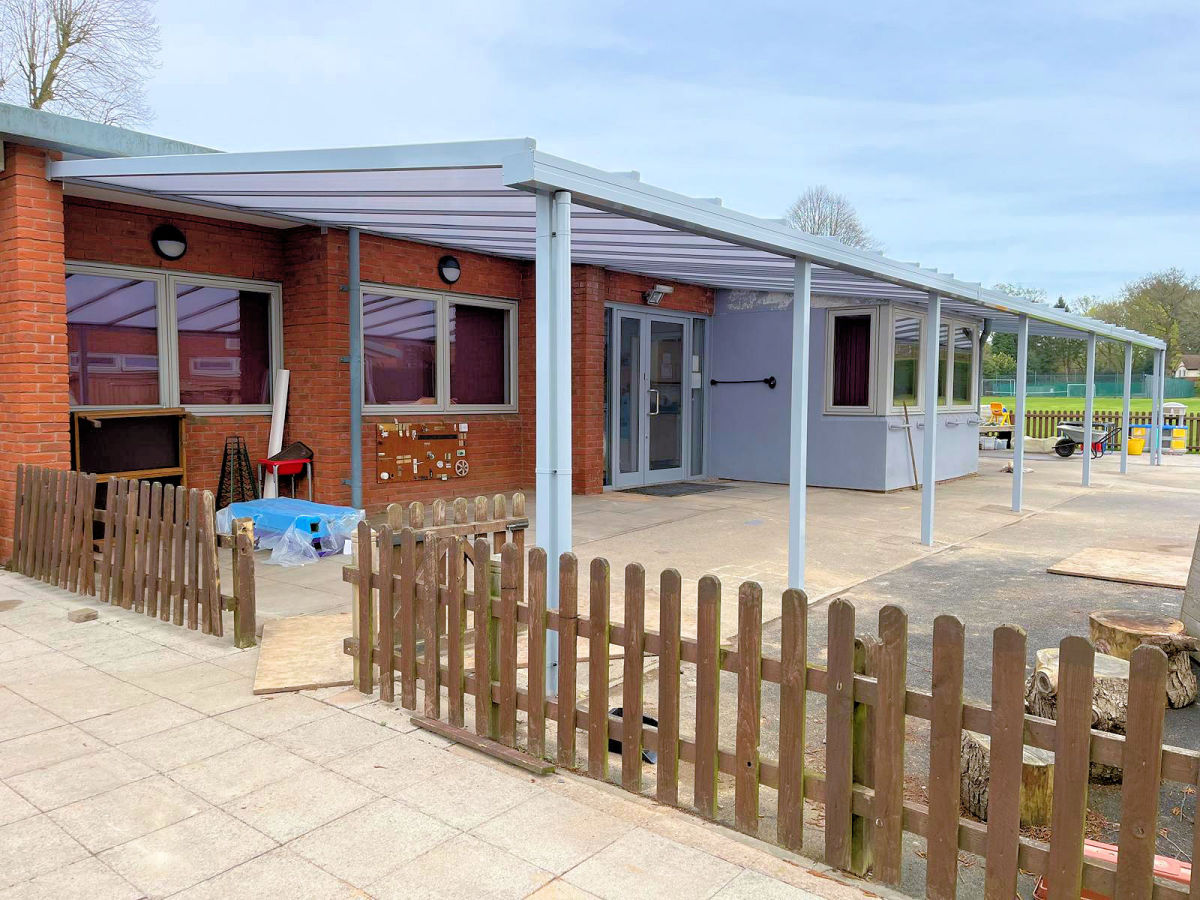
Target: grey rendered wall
748,423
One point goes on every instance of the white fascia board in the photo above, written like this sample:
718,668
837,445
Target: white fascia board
459,155
537,171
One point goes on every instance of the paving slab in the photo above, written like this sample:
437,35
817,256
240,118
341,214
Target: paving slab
462,867
372,842
112,818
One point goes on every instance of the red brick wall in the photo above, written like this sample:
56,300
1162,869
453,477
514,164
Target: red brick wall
312,268
34,409
97,231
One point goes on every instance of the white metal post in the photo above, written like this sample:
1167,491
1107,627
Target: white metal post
798,455
1126,393
1018,432
929,454
552,335
1155,433
1089,407
1161,381
560,380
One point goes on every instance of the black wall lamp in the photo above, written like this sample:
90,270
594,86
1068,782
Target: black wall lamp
449,270
168,241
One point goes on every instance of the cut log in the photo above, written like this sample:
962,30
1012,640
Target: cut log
1120,632
1037,779
1110,698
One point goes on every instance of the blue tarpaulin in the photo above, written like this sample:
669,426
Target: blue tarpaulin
295,531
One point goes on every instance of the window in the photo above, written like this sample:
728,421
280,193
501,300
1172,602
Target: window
139,337
400,349
964,366
850,372
906,360
224,336
112,340
479,355
943,368
437,352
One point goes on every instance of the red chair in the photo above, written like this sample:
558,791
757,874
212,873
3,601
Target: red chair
291,460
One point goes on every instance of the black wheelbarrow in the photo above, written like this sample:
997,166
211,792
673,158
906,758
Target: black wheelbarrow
1070,438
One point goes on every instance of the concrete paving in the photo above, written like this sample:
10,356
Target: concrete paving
136,762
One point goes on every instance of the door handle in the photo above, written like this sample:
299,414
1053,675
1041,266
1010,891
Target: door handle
657,402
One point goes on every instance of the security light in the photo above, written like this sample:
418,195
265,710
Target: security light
168,241
449,269
655,294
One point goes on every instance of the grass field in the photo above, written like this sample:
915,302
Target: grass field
1103,404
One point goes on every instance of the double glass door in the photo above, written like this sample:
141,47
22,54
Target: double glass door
656,397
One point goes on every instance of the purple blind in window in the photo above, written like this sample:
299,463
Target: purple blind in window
852,360
478,355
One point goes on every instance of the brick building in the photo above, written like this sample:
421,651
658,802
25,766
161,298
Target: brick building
139,273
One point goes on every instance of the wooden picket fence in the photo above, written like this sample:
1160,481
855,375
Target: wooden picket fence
867,702
157,554
1043,423
494,521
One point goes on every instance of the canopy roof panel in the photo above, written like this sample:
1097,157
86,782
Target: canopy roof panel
480,196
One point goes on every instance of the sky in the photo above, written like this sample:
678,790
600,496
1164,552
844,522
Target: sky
1052,145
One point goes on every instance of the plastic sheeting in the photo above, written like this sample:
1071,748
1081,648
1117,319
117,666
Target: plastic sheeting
297,532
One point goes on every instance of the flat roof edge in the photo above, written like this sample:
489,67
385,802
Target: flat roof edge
39,128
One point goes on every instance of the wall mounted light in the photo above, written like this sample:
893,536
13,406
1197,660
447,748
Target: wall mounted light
655,294
168,241
449,270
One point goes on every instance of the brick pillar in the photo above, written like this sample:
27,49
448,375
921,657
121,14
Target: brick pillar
588,285
316,337
34,400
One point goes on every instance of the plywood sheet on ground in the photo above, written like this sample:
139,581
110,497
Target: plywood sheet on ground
303,652
1126,566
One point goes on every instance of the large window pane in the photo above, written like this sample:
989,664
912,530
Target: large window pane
400,349
698,379
906,360
964,355
479,355
224,345
943,341
852,360
112,340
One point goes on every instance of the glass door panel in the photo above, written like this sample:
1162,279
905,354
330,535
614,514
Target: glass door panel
629,399
665,399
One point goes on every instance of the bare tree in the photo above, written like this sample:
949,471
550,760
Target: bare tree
87,58
822,211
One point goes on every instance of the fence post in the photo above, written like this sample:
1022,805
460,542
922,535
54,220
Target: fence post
362,612
866,659
245,625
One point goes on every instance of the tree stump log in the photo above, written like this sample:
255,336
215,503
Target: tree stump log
1110,698
1120,632
1037,779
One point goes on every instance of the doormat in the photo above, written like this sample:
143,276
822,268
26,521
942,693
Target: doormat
679,488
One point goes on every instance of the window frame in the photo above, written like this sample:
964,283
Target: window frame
950,323
168,332
972,328
832,314
442,301
922,317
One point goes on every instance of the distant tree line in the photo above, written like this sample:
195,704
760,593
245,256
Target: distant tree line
1164,304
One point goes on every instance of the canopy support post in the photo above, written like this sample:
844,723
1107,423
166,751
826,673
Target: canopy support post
1018,421
354,289
1126,393
1089,406
929,455
798,421
553,401
1160,393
